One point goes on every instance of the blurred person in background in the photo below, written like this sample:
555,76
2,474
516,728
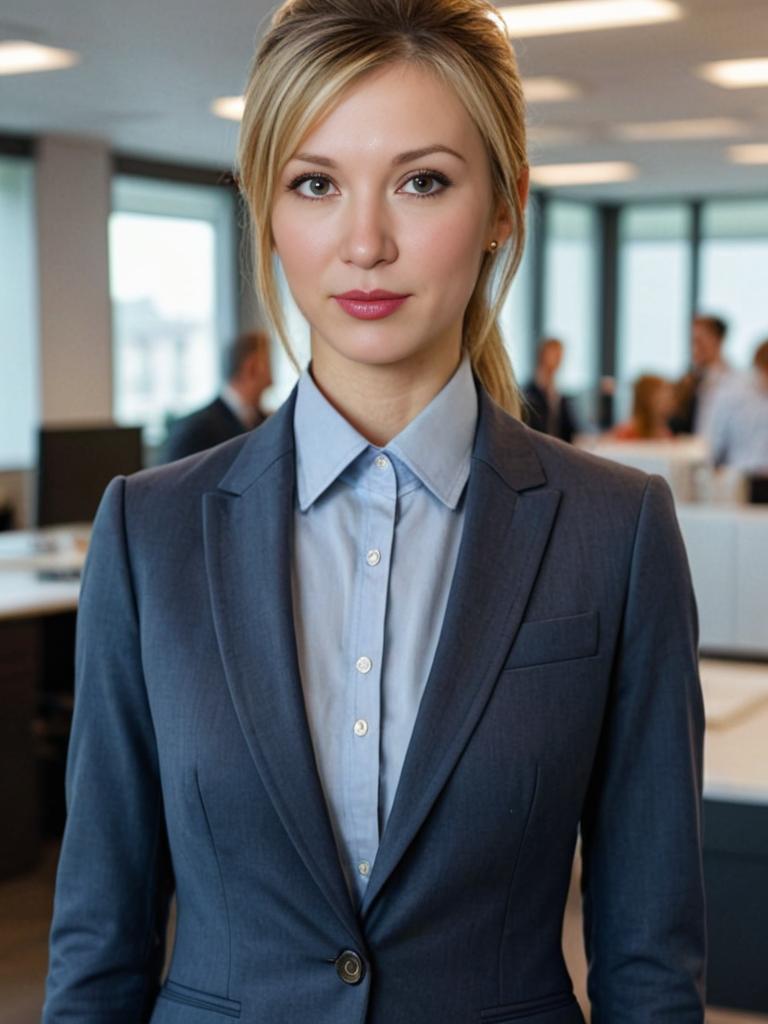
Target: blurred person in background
546,409
709,372
738,432
235,409
652,406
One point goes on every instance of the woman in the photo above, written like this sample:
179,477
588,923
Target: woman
349,685
653,403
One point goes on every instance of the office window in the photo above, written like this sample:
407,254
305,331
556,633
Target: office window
173,278
654,290
19,396
571,254
734,272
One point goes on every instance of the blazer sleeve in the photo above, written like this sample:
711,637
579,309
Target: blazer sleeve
113,886
642,877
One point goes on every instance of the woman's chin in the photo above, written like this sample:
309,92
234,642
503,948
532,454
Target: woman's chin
370,352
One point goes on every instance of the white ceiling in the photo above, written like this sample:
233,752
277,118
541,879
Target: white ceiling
150,69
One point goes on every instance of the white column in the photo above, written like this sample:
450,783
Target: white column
73,205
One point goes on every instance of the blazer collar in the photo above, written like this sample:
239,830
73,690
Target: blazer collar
264,446
502,443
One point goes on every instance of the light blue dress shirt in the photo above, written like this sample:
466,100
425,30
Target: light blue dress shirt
376,537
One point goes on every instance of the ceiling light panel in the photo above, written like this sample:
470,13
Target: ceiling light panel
737,74
678,131
567,16
540,135
229,107
19,57
754,153
554,175
547,89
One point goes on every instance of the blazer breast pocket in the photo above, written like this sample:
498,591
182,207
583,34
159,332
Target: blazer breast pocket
545,641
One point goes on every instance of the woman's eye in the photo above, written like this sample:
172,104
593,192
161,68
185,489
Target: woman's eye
427,184
312,187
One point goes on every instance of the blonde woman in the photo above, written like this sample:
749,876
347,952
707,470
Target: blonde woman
351,684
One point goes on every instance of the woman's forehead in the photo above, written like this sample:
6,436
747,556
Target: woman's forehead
390,112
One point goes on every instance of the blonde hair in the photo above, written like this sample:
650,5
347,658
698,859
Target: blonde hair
312,51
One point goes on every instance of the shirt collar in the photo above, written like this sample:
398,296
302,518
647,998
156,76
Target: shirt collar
436,445
325,442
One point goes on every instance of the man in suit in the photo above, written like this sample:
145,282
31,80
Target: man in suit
235,410
546,409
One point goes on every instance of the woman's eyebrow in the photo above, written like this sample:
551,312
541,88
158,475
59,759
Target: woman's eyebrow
402,158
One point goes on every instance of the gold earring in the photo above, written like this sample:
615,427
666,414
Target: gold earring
494,245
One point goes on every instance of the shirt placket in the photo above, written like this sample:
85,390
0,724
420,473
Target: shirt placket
379,484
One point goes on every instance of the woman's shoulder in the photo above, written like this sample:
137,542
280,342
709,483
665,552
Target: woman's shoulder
175,484
567,466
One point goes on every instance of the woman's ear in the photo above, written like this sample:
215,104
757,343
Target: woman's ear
503,223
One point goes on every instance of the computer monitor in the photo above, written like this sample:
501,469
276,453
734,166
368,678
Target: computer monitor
75,464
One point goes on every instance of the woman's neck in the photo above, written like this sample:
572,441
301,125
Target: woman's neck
380,400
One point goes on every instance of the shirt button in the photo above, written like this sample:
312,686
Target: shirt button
364,868
373,557
381,462
364,665
361,727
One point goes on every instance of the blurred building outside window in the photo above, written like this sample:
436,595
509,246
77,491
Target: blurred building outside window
654,295
173,279
19,373
734,273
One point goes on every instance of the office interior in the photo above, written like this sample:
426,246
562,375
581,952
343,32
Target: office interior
125,270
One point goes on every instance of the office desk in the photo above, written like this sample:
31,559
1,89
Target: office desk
727,549
37,616
28,561
736,832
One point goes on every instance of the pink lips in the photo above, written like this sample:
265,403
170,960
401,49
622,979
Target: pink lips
370,305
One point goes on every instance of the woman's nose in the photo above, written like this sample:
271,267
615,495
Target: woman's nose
367,234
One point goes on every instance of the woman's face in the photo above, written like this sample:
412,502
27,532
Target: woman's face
390,192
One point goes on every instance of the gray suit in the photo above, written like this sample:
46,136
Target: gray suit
564,692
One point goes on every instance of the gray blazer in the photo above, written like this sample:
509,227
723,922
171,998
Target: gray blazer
564,693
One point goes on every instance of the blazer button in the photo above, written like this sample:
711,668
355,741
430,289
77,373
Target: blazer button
350,967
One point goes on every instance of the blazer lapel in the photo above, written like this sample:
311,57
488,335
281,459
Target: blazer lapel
247,525
504,538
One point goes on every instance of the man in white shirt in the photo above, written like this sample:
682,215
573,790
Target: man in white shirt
738,430
708,375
